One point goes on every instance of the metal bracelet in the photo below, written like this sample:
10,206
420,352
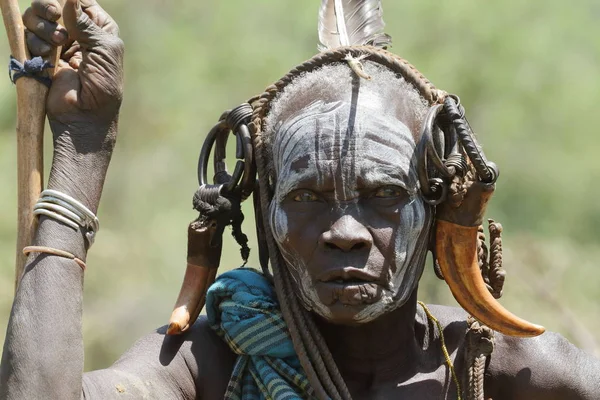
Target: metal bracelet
66,209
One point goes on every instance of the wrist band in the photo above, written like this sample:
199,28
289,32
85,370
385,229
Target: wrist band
66,209
54,252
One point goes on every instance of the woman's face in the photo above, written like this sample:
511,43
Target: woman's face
347,214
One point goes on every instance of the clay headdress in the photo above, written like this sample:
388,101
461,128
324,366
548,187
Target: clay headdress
449,157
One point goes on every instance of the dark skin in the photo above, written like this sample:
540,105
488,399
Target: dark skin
43,352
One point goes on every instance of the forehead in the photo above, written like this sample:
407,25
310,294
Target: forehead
359,142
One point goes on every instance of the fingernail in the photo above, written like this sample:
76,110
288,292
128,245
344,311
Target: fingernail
74,63
59,37
51,12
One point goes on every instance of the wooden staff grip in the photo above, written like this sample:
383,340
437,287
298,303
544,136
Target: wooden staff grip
31,113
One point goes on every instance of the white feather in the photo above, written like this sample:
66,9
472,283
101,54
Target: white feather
351,23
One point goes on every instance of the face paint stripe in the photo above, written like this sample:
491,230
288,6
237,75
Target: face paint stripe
318,151
399,143
387,161
349,149
290,147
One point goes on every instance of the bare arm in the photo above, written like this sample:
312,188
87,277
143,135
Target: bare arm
43,351
195,365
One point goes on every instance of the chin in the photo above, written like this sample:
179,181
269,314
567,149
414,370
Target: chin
356,314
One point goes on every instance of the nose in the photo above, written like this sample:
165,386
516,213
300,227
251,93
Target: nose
346,234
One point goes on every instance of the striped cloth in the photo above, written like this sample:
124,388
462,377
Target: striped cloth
242,308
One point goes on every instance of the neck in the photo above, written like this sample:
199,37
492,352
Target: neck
377,351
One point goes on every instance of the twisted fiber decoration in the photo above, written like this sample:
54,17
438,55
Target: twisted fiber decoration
440,328
312,366
456,115
261,104
460,185
497,274
311,347
313,372
480,344
324,363
328,358
491,264
483,255
314,356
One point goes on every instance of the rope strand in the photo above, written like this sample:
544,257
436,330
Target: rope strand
327,356
444,348
313,352
307,365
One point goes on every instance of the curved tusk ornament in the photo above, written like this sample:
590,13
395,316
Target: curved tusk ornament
456,251
202,264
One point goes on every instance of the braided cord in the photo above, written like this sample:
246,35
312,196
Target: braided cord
285,297
327,356
317,347
479,346
444,348
497,274
261,104
309,341
476,374
472,148
490,261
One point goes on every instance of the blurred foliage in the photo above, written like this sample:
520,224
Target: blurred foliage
527,72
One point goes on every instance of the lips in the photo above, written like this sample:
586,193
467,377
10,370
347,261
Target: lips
348,275
349,286
348,293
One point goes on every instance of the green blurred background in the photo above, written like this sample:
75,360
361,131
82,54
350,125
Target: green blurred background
527,73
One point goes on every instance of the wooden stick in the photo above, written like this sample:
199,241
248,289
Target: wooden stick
31,113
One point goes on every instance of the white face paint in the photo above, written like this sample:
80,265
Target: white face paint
355,251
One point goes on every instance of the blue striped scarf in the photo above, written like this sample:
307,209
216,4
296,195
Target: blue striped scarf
242,308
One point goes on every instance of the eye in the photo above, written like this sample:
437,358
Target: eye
305,196
386,192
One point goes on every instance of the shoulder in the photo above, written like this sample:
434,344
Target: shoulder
208,349
205,357
545,367
195,345
453,322
452,319
448,315
196,364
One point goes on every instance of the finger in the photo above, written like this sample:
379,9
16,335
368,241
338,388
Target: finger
88,3
76,60
37,46
47,9
48,31
71,50
80,26
102,19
